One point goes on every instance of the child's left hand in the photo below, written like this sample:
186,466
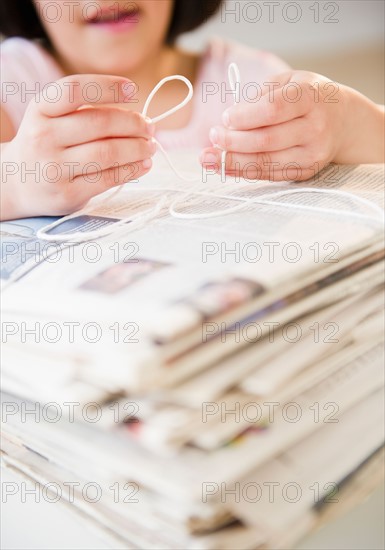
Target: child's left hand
290,133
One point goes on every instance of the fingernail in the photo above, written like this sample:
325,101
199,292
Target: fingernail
209,158
147,164
153,146
214,136
226,118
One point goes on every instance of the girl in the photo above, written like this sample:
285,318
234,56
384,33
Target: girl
75,76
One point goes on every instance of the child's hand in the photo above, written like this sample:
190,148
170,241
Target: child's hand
63,156
290,133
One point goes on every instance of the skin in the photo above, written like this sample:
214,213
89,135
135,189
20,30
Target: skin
117,141
262,137
296,129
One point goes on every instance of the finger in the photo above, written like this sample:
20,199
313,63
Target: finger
269,110
68,94
92,185
82,188
107,153
289,164
269,138
98,123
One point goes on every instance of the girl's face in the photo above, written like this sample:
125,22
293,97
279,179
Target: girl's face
105,37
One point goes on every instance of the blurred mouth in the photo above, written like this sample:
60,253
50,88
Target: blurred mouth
115,18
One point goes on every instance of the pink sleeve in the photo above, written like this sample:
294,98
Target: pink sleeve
25,69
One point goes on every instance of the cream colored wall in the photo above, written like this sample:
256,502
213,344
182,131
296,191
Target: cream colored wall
346,43
361,68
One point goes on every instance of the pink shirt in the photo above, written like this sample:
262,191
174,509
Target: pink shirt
27,67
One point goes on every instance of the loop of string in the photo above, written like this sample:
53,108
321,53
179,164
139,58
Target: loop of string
134,222
266,200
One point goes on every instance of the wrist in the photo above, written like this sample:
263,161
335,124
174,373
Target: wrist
363,130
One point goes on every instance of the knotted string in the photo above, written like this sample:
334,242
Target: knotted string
136,221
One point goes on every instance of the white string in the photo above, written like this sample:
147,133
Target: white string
172,166
169,113
134,222
265,200
234,80
235,84
173,110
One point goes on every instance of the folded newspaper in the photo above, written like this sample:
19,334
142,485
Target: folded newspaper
205,364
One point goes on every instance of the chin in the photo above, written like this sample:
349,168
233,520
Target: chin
120,61
117,68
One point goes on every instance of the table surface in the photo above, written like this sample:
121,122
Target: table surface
30,525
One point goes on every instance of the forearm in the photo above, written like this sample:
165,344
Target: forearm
364,133
10,205
7,209
10,208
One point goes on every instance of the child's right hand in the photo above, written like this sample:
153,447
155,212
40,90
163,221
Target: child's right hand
62,156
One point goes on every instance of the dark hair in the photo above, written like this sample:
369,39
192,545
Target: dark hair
19,18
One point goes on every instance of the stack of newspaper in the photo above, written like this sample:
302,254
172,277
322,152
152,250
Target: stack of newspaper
193,380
